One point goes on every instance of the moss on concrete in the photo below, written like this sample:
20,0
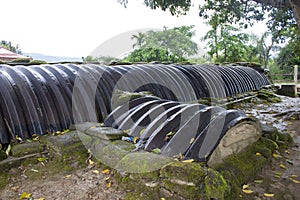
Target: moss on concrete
215,186
19,150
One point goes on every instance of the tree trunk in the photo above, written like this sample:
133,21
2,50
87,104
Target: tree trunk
296,9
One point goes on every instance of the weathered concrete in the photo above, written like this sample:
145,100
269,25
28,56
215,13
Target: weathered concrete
236,139
287,90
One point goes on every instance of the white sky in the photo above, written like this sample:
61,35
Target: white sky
77,27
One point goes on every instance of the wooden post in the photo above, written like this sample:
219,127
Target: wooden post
296,78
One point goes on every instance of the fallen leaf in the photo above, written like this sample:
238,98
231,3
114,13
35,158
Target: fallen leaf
188,161
105,171
290,162
91,162
142,131
282,166
7,152
192,140
108,185
287,152
275,155
294,180
245,186
41,159
268,195
107,178
293,176
95,171
34,170
258,154
162,198
25,195
93,127
126,131
248,191
40,199
68,176
258,181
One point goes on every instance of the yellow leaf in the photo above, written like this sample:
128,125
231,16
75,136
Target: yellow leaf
287,152
162,198
107,178
245,186
41,159
248,191
188,161
258,154
93,127
258,181
105,171
293,176
192,140
126,131
25,195
282,166
268,195
95,171
108,184
294,180
91,162
275,155
68,176
7,152
142,131
34,170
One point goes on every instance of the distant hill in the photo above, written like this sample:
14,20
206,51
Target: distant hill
51,59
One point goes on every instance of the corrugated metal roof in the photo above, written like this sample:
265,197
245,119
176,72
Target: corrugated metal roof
9,55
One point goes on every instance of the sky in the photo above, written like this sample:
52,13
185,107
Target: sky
76,28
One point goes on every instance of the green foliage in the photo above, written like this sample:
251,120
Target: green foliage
100,60
7,45
172,45
289,55
37,62
228,44
21,60
177,7
152,54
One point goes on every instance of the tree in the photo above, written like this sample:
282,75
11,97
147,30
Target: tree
149,54
228,44
289,55
7,45
140,39
176,42
233,10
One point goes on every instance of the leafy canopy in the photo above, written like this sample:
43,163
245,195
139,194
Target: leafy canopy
173,45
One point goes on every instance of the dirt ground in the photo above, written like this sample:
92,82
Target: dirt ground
279,179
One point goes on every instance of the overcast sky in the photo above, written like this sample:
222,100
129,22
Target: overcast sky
77,27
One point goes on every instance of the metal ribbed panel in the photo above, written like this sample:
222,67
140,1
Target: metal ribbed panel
40,99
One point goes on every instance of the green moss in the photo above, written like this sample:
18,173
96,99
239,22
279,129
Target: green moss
3,155
268,96
19,150
142,162
37,62
215,186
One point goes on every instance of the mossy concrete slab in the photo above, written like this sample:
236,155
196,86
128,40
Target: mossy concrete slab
19,150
